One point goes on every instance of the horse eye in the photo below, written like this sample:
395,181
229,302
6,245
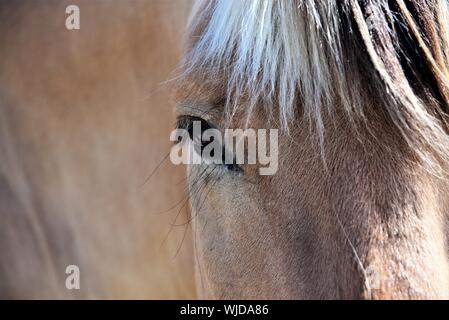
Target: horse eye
234,168
187,123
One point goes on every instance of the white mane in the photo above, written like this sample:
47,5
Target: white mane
276,49
316,52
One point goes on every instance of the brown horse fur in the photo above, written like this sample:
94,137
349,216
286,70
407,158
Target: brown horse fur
358,207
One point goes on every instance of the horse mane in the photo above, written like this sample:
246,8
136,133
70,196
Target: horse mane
320,54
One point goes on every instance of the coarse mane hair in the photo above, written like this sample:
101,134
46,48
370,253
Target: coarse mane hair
309,56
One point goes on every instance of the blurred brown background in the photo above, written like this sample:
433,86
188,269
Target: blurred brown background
84,119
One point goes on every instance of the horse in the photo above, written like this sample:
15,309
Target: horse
357,208
359,91
84,119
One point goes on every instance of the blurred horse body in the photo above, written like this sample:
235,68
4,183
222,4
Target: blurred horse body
83,122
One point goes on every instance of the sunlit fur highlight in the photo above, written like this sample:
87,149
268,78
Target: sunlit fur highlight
307,57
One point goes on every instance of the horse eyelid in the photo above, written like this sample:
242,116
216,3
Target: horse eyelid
186,122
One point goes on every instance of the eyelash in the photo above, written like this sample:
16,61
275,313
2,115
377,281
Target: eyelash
186,122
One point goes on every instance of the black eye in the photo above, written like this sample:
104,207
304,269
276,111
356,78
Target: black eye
234,168
187,123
